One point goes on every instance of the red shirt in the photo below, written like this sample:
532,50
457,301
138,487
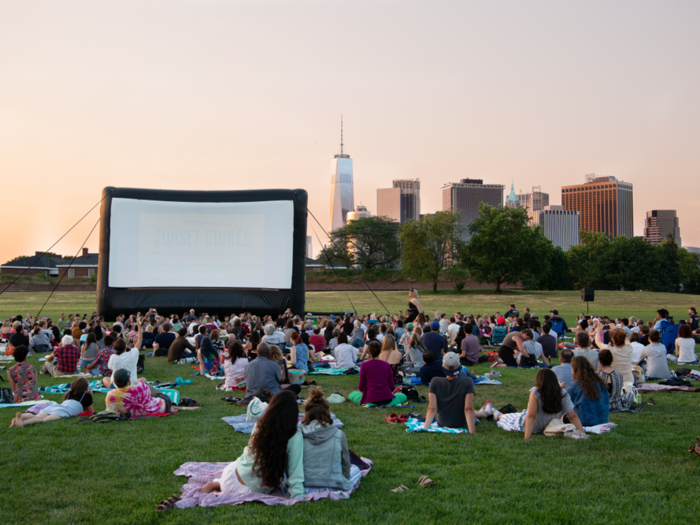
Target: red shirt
68,357
318,341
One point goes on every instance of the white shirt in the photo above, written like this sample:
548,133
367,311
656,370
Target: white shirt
444,325
453,330
127,360
345,355
636,350
380,337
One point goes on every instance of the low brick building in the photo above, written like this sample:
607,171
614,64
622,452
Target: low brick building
84,265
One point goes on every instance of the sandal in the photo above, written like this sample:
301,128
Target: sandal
400,488
422,399
392,418
695,448
415,415
425,481
168,504
403,418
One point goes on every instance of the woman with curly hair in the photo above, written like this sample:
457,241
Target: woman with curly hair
589,393
275,448
548,401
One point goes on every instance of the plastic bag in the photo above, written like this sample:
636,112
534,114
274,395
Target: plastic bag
255,409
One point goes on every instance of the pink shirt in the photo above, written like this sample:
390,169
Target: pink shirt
136,399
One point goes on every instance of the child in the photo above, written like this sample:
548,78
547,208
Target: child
235,365
77,400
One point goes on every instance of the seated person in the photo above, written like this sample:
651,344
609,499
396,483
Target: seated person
685,346
235,365
512,343
655,355
76,401
22,377
123,359
137,399
208,356
262,466
414,353
583,340
317,340
613,379
589,393
41,342
326,453
263,373
451,397
345,354
534,349
621,351
272,337
391,355
548,341
432,368
100,366
548,401
563,371
64,359
470,347
376,381
299,355
88,352
181,350
637,346
162,342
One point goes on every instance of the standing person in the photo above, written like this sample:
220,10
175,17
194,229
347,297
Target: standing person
275,449
414,307
694,318
22,377
547,402
588,393
685,346
451,397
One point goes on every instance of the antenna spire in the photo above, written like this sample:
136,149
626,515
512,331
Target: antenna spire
341,135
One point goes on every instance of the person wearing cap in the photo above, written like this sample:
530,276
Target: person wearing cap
406,337
433,341
137,399
512,312
451,397
558,323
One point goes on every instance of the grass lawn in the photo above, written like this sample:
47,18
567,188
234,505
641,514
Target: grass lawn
70,472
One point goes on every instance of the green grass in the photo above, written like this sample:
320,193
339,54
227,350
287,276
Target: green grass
70,472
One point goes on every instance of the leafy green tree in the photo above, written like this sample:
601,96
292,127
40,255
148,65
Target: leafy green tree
431,246
367,243
504,248
690,271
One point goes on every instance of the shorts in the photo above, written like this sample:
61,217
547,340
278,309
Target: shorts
229,481
512,422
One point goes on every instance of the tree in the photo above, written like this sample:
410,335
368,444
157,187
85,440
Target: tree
690,271
368,243
504,248
431,246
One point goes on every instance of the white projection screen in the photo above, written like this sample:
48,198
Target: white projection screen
201,245
219,252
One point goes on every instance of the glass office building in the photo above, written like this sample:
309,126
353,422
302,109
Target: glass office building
342,188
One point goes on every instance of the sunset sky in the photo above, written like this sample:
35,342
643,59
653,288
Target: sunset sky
248,94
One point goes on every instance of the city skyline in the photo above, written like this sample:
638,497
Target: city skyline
226,96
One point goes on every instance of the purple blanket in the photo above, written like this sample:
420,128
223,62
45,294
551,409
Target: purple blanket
201,473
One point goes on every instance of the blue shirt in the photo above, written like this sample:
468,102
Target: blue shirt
564,373
590,412
435,343
302,357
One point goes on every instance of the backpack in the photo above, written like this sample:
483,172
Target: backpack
107,417
7,396
410,392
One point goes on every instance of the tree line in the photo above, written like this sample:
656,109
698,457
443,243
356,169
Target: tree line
503,248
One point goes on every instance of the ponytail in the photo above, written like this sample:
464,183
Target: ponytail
79,386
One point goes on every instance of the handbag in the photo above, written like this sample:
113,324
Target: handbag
556,426
10,350
7,396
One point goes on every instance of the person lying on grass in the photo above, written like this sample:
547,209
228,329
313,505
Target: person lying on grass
548,401
451,397
326,453
77,400
275,448
138,399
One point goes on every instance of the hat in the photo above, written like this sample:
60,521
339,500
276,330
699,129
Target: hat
501,320
555,312
409,326
534,316
121,376
435,325
450,364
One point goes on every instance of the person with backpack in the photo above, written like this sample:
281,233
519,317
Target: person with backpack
558,323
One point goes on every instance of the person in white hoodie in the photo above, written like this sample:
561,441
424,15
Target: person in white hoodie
326,453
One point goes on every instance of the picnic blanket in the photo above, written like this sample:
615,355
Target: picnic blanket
415,425
483,380
327,372
22,404
239,423
600,429
201,473
645,388
98,386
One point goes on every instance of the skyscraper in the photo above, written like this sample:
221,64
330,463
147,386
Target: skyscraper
401,202
465,196
360,212
512,199
659,224
342,190
534,201
604,203
558,225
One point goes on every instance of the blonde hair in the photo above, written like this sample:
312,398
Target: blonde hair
388,343
275,353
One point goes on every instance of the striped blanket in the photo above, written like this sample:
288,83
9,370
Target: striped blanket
327,372
414,425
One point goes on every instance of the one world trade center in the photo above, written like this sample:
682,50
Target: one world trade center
342,190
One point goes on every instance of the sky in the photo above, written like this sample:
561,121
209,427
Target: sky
232,95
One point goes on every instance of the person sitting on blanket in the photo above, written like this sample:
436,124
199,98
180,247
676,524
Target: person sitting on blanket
613,379
275,448
326,453
208,356
588,393
64,359
277,356
345,354
22,377
263,373
138,399
431,368
655,355
235,365
124,359
414,353
535,350
181,350
451,397
583,340
162,342
376,381
99,366
548,401
391,355
77,400
563,371
621,351
512,343
299,355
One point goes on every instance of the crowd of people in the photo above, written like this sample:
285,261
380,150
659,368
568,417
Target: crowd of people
275,355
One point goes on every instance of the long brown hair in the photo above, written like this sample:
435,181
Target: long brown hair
274,429
317,408
78,386
585,376
550,392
